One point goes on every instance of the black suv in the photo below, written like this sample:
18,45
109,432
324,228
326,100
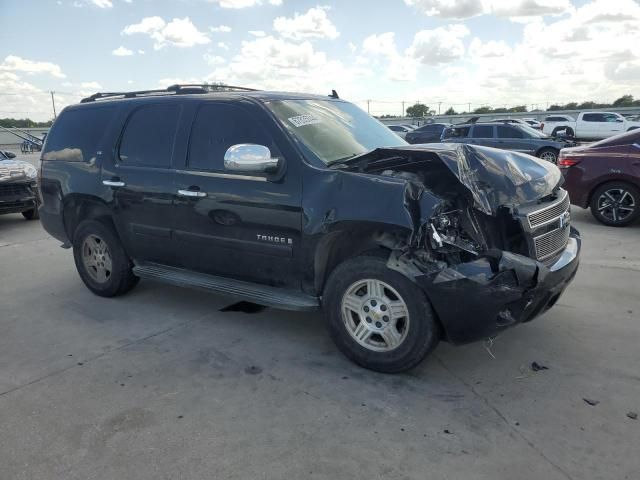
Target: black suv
519,138
18,189
300,202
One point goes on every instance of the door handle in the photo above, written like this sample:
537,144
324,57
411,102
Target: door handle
192,193
113,183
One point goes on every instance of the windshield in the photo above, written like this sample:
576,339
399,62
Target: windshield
531,131
332,130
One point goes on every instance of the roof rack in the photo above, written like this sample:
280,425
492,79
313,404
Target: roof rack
178,89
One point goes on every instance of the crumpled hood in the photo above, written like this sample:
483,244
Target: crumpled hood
494,177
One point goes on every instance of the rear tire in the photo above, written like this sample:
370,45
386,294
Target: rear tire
377,317
102,263
548,154
616,204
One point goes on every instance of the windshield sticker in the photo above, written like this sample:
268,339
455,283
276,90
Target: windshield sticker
302,120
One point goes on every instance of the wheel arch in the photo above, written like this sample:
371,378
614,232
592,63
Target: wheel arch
79,207
348,241
621,179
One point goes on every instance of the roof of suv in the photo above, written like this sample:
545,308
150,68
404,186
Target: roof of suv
196,93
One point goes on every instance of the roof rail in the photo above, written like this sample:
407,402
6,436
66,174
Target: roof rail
178,89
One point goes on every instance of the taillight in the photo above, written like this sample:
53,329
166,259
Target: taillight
567,162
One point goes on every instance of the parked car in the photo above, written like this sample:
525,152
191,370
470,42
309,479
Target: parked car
429,133
605,176
18,190
533,123
276,199
399,130
590,125
518,138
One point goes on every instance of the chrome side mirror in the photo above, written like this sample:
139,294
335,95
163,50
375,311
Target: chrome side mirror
250,158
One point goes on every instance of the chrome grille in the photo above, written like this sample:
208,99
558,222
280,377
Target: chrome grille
550,243
549,214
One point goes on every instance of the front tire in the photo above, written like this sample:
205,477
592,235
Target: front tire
102,263
616,204
377,317
549,154
31,214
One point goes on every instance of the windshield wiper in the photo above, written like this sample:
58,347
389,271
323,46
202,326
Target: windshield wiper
347,159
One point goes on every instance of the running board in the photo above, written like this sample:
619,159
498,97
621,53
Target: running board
252,292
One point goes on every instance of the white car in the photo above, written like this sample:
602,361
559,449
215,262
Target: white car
399,130
589,125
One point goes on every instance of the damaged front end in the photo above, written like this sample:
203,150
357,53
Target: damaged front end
491,243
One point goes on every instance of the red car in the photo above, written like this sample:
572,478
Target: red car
606,177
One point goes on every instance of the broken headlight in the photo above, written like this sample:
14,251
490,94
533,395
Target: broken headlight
446,233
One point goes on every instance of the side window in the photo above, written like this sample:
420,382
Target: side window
509,132
149,136
395,128
76,134
482,131
609,117
593,117
219,126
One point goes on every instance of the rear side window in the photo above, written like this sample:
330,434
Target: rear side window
556,119
149,136
593,117
218,127
482,131
509,132
76,134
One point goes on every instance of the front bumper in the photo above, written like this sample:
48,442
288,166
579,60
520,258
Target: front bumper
479,299
17,197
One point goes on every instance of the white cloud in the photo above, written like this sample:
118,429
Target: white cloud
223,46
122,52
492,48
278,64
179,32
518,9
312,24
13,63
220,29
398,66
440,45
243,3
257,33
95,3
212,59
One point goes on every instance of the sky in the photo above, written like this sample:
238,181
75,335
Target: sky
377,53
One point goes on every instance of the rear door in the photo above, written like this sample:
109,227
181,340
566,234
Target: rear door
483,135
592,125
242,226
511,138
142,180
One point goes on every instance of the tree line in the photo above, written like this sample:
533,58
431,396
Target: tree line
419,110
23,123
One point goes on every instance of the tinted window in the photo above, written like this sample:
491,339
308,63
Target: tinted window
482,131
593,117
610,117
218,127
396,128
461,132
430,129
556,119
76,134
149,136
509,132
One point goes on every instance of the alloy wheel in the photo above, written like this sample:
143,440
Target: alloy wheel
97,258
616,204
549,156
375,315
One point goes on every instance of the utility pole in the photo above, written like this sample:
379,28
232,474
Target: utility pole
469,108
368,107
439,104
403,108
53,103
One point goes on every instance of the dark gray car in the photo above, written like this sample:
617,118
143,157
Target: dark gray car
518,138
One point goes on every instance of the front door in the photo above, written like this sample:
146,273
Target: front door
512,138
229,224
